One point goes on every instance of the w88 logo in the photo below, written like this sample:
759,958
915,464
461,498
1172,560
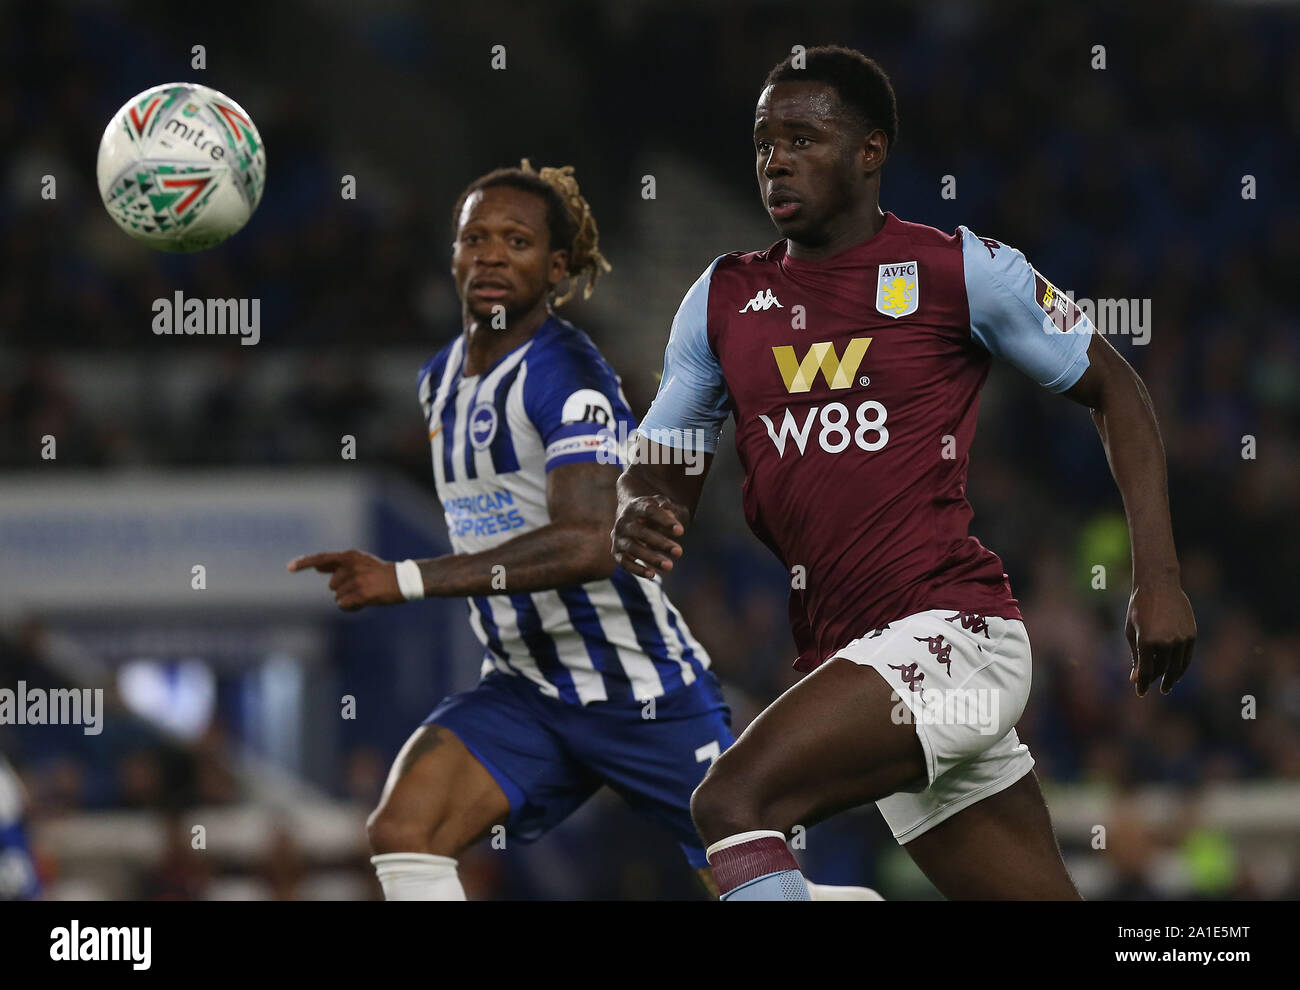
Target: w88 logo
865,429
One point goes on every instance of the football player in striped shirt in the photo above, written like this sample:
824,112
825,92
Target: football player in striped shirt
590,675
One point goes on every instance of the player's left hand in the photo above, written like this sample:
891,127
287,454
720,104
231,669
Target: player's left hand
359,579
1161,631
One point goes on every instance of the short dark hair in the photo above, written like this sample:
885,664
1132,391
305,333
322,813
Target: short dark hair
569,221
861,84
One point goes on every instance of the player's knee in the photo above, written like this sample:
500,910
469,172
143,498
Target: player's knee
723,804
391,830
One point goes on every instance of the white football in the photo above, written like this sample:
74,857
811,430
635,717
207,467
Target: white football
181,167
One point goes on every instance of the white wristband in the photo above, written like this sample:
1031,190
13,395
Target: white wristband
409,580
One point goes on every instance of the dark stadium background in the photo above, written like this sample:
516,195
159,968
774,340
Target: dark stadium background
1121,183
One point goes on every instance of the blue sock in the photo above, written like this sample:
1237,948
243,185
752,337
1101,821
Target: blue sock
785,885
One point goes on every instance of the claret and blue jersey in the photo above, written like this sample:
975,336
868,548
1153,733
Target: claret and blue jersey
494,438
854,383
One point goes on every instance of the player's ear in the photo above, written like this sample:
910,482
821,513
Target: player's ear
559,267
875,149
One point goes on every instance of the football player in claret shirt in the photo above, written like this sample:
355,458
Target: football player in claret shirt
851,354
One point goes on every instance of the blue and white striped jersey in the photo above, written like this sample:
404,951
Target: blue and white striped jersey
552,401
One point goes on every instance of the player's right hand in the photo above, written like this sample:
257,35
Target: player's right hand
357,578
1161,631
643,536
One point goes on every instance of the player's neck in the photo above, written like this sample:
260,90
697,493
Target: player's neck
855,230
485,345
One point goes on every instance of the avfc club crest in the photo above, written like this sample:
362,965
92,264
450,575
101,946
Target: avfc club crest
898,290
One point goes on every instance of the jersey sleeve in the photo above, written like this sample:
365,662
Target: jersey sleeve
692,403
575,401
425,384
1020,317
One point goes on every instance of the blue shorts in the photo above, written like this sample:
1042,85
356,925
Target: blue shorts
549,756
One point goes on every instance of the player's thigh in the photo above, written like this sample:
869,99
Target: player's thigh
655,764
825,745
438,797
1000,848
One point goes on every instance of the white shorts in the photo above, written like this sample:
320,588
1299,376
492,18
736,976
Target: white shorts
962,680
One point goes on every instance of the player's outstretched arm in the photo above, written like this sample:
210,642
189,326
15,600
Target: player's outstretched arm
1160,627
573,548
656,501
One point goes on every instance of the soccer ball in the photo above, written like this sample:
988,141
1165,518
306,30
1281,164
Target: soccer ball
181,167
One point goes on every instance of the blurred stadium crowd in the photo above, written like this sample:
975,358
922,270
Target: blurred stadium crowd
1124,183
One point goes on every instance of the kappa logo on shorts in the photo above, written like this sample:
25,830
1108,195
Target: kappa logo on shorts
942,650
910,677
972,622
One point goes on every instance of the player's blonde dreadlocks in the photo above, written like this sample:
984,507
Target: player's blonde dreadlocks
584,255
572,227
